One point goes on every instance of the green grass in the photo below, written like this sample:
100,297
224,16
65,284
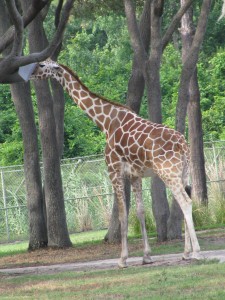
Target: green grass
85,239
78,239
204,281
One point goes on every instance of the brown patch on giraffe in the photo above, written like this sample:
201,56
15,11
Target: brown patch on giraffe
133,148
82,106
76,94
138,163
106,109
67,76
127,118
76,86
178,148
124,139
107,122
122,114
156,132
101,120
98,110
135,126
167,164
83,94
86,102
114,114
142,137
91,112
114,124
141,154
70,86
168,146
132,157
119,150
141,127
159,152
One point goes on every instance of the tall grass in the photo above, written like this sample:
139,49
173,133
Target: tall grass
89,198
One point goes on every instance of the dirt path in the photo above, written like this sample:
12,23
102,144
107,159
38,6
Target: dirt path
158,260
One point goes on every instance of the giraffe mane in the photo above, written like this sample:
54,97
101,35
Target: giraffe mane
94,94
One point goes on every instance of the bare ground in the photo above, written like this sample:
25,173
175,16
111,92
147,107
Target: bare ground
101,256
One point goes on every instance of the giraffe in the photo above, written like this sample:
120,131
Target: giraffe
137,148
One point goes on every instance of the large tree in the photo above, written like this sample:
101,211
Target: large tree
15,34
51,230
149,64
188,69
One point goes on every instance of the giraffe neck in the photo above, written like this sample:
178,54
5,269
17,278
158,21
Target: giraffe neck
101,111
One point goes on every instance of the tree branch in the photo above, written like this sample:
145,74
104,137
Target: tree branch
34,8
18,28
174,23
9,67
223,11
135,38
190,65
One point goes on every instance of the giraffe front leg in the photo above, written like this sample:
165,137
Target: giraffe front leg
187,243
124,228
137,190
118,185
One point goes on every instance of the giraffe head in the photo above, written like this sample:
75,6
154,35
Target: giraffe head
46,69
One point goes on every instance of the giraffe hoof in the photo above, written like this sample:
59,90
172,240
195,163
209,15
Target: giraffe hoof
122,264
197,256
186,256
147,260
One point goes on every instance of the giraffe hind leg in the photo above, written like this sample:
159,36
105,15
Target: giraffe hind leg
137,190
186,206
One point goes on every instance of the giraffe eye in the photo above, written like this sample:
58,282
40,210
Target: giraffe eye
41,65
56,67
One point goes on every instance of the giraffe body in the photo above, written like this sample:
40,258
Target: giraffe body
136,148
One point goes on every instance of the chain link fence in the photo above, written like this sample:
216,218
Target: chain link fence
88,192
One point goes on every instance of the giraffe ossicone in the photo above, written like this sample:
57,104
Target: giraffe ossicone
135,147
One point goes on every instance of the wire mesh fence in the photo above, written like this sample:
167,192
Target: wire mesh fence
88,192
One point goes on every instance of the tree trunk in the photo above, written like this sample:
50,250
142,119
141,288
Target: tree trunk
190,58
55,210
198,175
37,226
23,104
135,92
159,200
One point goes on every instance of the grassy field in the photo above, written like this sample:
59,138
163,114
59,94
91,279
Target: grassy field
203,280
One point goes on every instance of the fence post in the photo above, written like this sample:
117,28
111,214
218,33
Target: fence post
5,205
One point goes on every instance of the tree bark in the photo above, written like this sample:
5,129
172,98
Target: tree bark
198,174
189,68
55,210
135,92
23,104
10,64
37,226
158,190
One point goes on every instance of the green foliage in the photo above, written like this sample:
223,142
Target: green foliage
170,76
212,87
135,223
201,215
82,137
100,54
98,48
